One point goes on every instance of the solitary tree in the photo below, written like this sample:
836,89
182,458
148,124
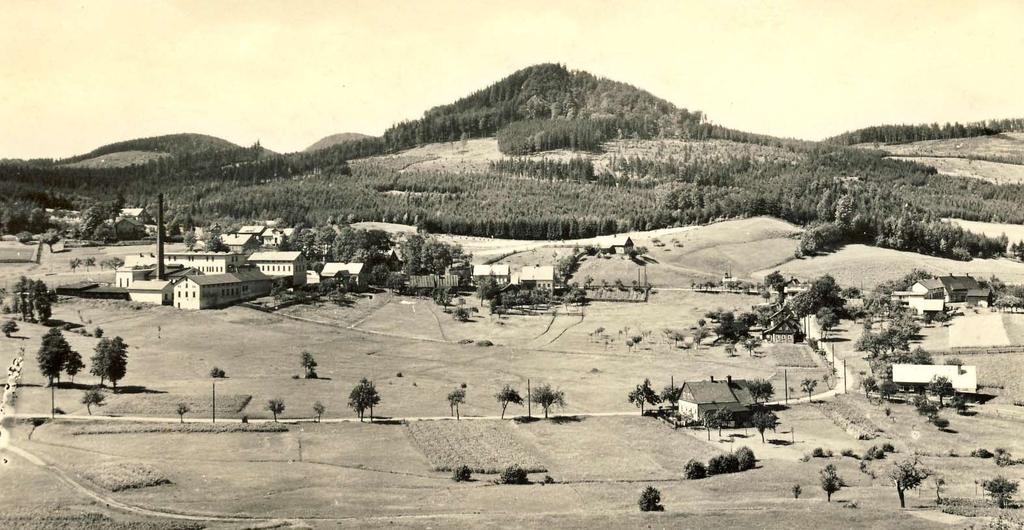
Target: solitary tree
827,319
941,387
455,398
831,482
9,327
906,475
959,402
547,397
751,344
808,385
722,417
183,409
1001,490
765,420
869,384
643,394
650,500
275,406
508,395
190,240
797,490
364,396
319,409
92,397
53,354
308,364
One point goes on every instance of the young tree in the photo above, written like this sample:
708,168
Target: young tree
906,475
1001,490
959,402
711,421
643,394
9,327
671,394
650,500
73,364
53,354
751,344
50,238
455,398
110,360
508,395
887,390
547,397
364,396
941,387
275,406
308,364
92,397
89,262
190,240
183,409
319,409
808,385
869,384
831,482
827,320
461,314
763,421
722,417
41,301
761,390
74,263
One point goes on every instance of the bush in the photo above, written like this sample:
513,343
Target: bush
849,453
874,453
695,470
981,453
462,473
888,448
940,422
484,343
1004,458
217,373
746,459
650,500
821,453
722,464
513,475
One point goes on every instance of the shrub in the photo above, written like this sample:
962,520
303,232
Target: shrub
695,470
981,453
548,479
513,475
484,343
217,373
722,464
874,453
888,448
849,453
818,452
399,374
650,500
462,473
797,490
745,458
1004,458
940,422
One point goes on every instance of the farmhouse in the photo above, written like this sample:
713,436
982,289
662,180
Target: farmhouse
253,230
915,377
352,274
206,262
136,214
220,290
274,237
129,228
538,277
289,265
619,245
501,274
932,294
701,397
784,328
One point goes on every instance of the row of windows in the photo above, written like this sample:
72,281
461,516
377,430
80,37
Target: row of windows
276,268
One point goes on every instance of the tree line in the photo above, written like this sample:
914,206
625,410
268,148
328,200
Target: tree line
894,134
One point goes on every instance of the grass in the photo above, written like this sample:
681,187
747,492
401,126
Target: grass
117,476
791,355
13,251
1013,232
131,428
999,146
484,446
167,404
986,329
995,172
119,159
862,265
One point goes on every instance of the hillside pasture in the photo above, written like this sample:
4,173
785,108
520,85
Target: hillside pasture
862,265
119,159
1006,145
995,172
1013,232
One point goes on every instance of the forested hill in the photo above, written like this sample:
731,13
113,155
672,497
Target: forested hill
335,139
172,144
891,134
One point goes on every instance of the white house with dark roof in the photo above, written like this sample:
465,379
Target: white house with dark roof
241,243
290,265
914,377
137,214
700,397
537,277
501,273
352,274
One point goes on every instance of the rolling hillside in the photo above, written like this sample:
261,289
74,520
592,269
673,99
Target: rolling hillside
171,144
335,139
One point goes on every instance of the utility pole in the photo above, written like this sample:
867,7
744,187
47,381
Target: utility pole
52,404
844,376
214,408
529,400
785,379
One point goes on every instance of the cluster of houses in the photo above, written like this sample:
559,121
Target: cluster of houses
936,295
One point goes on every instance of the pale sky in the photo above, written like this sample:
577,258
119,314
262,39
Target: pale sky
76,75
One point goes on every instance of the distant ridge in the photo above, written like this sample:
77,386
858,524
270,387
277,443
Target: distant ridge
171,144
335,139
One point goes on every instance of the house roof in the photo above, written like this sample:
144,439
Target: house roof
331,270
982,293
277,255
202,253
229,278
430,281
132,212
491,270
237,238
959,283
722,391
787,327
149,285
964,378
252,229
540,273
930,283
621,241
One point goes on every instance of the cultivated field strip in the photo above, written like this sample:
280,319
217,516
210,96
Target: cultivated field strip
484,446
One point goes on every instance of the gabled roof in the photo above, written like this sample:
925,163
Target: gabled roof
331,270
149,285
959,283
983,293
252,229
621,241
236,239
930,283
278,255
964,378
132,212
229,278
705,392
129,220
786,327
491,270
430,281
541,273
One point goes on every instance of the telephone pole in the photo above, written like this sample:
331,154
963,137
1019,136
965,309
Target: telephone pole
214,408
529,400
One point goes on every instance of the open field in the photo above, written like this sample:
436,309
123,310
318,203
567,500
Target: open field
979,147
484,446
995,172
13,251
862,265
1013,232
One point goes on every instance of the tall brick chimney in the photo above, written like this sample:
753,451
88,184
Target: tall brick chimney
160,236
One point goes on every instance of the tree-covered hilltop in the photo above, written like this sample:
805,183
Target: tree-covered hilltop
172,144
335,139
894,134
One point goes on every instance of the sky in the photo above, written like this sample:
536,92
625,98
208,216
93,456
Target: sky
77,75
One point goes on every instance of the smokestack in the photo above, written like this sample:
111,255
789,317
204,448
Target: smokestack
160,236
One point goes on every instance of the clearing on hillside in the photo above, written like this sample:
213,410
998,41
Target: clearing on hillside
995,172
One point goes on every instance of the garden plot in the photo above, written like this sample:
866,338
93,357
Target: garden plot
167,404
484,446
978,330
791,355
117,476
